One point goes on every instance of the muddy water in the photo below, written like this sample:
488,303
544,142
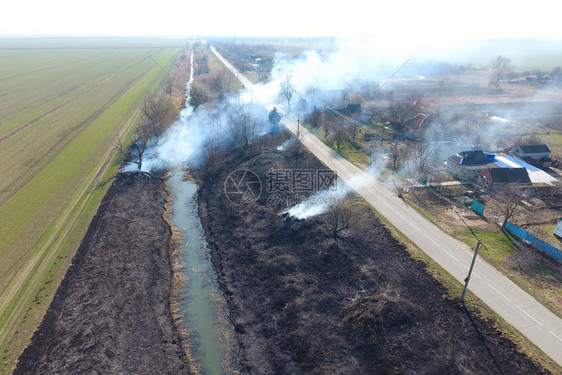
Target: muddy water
201,302
198,297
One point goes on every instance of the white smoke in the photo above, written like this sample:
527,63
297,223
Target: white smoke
326,71
319,202
187,140
287,144
323,200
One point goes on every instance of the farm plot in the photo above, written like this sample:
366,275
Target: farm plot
62,105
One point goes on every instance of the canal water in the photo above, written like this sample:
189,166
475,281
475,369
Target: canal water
201,302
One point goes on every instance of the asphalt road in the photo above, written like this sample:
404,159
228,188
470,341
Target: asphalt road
513,304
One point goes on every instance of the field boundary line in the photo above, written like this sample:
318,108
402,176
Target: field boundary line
70,100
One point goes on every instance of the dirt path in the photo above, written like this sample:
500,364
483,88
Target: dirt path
111,313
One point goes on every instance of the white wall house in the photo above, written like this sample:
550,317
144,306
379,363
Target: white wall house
558,229
532,151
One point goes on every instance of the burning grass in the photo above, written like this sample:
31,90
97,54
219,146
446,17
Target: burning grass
305,301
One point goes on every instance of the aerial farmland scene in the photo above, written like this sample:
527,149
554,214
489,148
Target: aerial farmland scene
295,188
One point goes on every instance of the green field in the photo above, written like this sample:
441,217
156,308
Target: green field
62,104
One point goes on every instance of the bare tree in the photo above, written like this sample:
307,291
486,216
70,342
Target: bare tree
369,89
223,81
274,117
340,135
343,217
311,92
500,67
145,136
405,109
529,140
340,219
330,124
157,113
510,202
243,125
263,72
314,118
199,94
287,90
352,132
372,150
423,154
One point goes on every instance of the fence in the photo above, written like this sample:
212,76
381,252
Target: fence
477,207
536,242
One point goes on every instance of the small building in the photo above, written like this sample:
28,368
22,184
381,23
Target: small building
538,177
558,229
498,178
538,155
413,127
352,110
466,165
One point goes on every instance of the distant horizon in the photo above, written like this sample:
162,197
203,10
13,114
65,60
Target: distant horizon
399,24
532,52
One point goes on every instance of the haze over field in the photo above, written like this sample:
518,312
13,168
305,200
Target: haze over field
394,25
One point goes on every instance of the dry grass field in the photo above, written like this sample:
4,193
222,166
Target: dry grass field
63,102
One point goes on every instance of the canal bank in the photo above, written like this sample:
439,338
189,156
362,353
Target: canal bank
198,304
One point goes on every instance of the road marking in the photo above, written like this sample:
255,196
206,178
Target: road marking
432,240
442,248
497,291
414,225
552,333
526,313
474,273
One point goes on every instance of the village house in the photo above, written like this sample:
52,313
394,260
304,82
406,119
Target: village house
413,128
538,155
467,164
498,178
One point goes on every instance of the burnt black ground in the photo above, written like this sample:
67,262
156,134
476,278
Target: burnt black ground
111,313
302,303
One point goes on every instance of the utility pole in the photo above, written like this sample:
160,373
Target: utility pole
470,271
298,128
457,197
395,155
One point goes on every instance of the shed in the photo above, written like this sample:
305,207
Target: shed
534,152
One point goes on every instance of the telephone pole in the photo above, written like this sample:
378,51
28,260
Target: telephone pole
470,271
